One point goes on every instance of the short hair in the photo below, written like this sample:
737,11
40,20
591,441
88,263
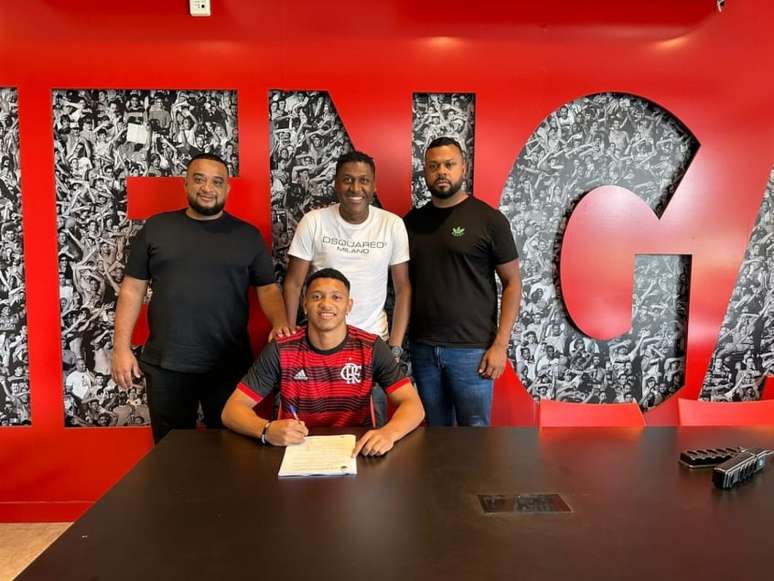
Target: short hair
328,273
209,157
355,156
445,141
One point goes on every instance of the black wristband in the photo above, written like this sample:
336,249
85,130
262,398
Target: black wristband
263,433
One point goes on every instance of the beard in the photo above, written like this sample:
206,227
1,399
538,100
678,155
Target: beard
205,210
454,187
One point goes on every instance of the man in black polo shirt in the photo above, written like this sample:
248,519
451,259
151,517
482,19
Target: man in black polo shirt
200,263
457,243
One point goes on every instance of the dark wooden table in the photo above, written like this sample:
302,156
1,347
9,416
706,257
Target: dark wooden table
209,505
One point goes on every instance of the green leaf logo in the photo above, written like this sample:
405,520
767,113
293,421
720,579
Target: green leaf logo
458,231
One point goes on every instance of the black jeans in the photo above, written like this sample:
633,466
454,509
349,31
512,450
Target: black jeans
174,397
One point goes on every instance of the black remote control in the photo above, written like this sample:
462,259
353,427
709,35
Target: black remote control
739,468
707,457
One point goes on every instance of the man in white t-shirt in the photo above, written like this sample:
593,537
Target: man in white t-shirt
361,241
81,380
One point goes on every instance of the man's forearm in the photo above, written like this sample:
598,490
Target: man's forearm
243,420
291,293
408,415
400,316
270,298
509,310
127,313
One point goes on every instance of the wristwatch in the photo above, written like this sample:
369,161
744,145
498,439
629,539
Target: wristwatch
397,351
263,434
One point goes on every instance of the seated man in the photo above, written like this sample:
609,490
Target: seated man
325,373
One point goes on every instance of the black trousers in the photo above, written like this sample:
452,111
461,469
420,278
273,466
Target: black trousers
174,397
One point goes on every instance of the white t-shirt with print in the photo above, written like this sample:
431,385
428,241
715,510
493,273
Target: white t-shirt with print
362,252
80,382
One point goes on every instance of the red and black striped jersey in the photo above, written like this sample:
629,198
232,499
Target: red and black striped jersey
326,388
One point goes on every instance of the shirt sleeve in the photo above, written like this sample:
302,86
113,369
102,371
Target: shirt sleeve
137,263
387,372
261,269
400,243
302,245
503,246
263,377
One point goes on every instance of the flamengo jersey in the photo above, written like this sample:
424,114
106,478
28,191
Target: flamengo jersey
326,388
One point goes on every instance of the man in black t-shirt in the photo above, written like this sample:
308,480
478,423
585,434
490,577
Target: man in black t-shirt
200,263
457,243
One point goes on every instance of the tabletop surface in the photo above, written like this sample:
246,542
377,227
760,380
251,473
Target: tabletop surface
206,505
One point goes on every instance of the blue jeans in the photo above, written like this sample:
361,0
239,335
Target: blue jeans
449,385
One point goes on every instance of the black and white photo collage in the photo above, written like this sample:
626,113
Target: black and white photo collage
306,137
440,115
14,376
744,354
602,139
100,138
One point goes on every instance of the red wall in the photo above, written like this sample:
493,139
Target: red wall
711,71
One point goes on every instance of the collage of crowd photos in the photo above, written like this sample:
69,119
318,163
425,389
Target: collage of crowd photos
103,136
744,354
100,138
14,376
306,137
597,140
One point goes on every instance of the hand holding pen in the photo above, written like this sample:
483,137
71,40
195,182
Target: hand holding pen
287,432
292,410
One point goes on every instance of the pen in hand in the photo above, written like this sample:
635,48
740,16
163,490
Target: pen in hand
292,410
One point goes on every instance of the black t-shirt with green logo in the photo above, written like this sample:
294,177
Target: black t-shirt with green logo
454,252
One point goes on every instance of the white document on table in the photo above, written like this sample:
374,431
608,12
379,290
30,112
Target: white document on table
320,456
